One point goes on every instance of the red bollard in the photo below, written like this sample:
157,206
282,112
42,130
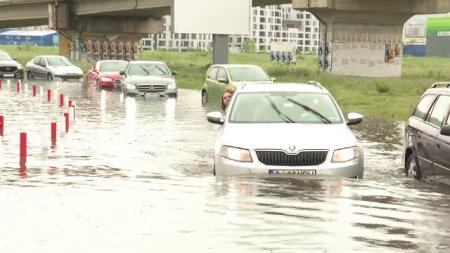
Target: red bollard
34,90
61,99
66,116
70,102
0,84
2,124
53,133
49,95
18,86
23,149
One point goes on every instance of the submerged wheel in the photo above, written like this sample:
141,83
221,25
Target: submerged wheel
204,98
412,169
49,77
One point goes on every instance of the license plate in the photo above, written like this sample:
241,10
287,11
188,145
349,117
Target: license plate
8,75
151,95
293,172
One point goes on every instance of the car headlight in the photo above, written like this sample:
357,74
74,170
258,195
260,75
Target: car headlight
172,86
345,155
130,86
236,154
19,66
105,79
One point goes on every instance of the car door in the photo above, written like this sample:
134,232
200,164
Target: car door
222,81
441,155
34,67
418,130
42,68
211,82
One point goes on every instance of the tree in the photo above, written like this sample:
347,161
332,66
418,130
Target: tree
249,46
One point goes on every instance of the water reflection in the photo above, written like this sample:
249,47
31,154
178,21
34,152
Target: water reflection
134,174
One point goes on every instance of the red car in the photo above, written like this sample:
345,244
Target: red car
105,73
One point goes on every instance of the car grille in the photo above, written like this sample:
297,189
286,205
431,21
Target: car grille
280,158
152,87
8,69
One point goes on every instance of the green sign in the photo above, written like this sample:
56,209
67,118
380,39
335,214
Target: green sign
438,36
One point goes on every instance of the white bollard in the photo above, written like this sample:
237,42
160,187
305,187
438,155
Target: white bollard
25,87
41,91
45,137
66,100
72,114
8,83
62,124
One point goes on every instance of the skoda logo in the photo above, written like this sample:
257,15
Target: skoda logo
292,148
8,68
152,87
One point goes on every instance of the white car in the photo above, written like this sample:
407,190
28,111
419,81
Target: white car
286,129
50,67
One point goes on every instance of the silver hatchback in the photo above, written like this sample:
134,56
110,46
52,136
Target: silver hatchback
286,129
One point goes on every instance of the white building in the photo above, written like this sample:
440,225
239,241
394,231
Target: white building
268,24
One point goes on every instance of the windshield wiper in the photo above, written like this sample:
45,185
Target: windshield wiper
160,69
145,70
281,114
309,109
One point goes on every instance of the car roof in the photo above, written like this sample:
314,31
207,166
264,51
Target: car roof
439,88
102,61
50,55
311,86
134,62
236,65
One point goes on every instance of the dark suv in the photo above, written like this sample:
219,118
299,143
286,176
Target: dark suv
427,136
9,67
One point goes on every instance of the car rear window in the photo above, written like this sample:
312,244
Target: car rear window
423,106
252,74
285,107
439,111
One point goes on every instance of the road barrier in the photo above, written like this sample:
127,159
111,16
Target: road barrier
68,116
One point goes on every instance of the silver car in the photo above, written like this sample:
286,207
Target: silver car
51,67
148,77
286,129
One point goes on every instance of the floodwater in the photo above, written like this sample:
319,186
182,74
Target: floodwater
134,175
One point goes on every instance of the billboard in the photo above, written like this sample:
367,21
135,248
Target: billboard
211,16
438,36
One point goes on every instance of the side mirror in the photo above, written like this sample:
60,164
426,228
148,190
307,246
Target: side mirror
354,118
174,73
222,80
215,117
122,73
445,130
273,79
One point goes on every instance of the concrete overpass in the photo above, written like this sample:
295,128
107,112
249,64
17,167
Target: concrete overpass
357,33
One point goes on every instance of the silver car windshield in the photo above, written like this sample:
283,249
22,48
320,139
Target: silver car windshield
148,69
252,74
58,61
285,107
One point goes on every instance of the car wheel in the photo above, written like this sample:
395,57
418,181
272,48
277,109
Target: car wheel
204,98
412,169
30,75
214,170
49,77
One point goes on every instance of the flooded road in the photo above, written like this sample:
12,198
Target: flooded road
134,175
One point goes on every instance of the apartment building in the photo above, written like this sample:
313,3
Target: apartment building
268,24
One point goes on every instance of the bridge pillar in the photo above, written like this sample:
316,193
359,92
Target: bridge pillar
220,48
360,38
